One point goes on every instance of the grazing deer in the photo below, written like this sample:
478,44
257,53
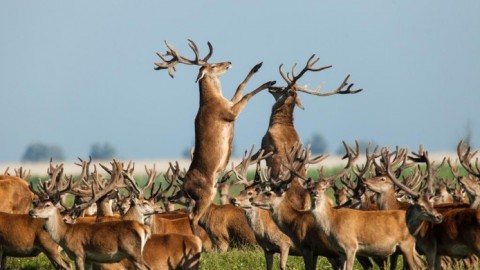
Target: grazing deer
214,124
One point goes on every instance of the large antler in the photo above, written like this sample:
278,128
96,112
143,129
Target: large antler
465,157
351,155
292,80
175,57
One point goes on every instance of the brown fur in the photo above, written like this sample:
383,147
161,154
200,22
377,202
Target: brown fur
270,238
214,127
227,226
23,236
87,243
298,225
16,196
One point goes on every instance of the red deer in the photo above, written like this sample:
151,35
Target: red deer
88,243
214,124
281,135
270,238
16,196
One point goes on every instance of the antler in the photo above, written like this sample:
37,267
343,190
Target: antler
177,58
247,160
24,174
465,157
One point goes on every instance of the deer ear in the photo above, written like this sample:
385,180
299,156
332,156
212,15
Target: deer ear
298,102
201,74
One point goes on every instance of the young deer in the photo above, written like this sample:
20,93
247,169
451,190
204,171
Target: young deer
214,124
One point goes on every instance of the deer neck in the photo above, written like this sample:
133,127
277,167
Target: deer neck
323,213
388,200
285,214
475,201
253,219
414,223
210,89
104,208
134,214
56,227
282,116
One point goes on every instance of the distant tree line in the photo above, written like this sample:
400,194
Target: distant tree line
40,152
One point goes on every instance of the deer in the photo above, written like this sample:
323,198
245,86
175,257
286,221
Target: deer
214,124
23,236
88,243
161,251
269,237
455,236
15,193
299,225
226,225
369,233
281,135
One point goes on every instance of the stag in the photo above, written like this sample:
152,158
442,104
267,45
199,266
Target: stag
214,124
14,191
88,243
270,238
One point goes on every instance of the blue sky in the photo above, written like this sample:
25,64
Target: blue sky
77,73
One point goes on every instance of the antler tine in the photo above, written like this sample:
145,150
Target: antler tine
465,156
56,174
177,58
338,90
308,67
85,167
361,171
395,180
21,173
241,176
284,76
152,174
351,154
6,171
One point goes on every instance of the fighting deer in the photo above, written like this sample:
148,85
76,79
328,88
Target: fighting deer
281,135
88,243
214,124
269,237
16,196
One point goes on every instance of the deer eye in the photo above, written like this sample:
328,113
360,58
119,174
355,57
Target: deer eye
249,193
268,193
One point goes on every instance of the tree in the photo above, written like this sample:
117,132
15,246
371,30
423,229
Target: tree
38,152
317,143
102,151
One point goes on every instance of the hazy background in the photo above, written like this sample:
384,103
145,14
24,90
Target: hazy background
78,73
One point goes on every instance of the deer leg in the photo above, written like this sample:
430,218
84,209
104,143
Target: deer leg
308,260
284,256
269,259
3,259
80,262
365,262
238,93
350,259
238,106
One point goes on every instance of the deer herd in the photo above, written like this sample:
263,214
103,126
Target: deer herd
395,204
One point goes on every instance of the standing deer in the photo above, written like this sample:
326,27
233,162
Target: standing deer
214,124
281,135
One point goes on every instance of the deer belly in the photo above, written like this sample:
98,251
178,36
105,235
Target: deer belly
105,257
377,249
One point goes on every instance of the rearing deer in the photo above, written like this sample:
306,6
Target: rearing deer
214,124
